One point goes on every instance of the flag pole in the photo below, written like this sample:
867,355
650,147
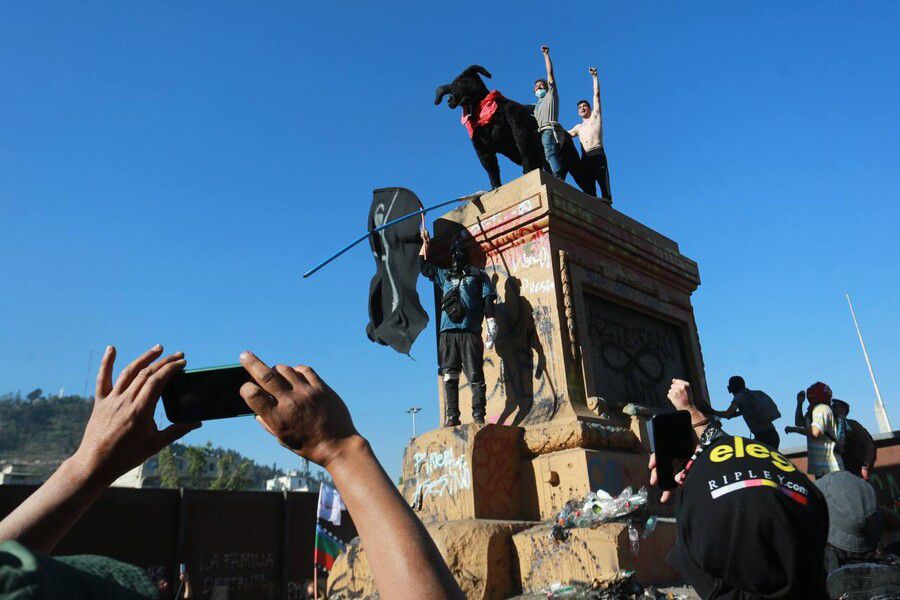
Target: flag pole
421,211
884,424
316,549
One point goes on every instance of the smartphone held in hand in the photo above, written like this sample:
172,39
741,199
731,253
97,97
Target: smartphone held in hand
205,394
672,439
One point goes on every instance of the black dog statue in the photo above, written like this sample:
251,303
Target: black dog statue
498,125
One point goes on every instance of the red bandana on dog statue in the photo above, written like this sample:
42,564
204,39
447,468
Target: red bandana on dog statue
486,110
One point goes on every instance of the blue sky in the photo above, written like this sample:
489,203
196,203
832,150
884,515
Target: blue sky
168,170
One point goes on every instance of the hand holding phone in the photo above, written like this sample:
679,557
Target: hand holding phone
671,439
298,408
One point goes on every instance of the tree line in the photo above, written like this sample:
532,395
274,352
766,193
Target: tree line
43,430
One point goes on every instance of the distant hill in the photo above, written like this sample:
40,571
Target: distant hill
42,431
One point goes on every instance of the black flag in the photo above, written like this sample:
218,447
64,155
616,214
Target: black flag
396,317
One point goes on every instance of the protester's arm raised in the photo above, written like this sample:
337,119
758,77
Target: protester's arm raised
596,112
799,418
545,50
119,435
309,418
680,397
426,242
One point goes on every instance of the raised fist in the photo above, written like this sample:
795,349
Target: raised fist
680,394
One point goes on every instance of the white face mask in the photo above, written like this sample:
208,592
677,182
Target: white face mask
540,92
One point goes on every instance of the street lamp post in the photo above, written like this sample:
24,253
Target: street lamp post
413,410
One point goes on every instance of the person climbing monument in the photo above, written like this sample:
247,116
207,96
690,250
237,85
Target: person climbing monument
468,298
757,408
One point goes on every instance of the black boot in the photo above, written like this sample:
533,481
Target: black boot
479,402
451,402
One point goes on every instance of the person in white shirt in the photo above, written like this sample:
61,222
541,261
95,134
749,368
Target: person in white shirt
590,133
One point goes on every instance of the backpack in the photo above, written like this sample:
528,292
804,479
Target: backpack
841,429
764,406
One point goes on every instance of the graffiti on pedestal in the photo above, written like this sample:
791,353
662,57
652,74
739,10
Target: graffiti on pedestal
502,218
633,356
528,252
439,473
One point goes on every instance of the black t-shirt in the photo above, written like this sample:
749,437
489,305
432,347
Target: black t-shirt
750,525
859,449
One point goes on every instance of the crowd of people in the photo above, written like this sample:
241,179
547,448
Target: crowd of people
752,525
834,441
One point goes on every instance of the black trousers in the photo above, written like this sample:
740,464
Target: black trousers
594,169
768,436
462,351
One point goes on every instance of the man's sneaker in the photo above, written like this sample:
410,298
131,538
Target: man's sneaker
478,420
451,422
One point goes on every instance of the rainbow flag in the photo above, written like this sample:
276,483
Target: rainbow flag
328,547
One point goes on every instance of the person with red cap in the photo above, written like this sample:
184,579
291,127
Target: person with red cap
820,428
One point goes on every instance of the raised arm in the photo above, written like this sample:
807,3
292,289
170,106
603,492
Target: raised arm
799,418
682,399
596,112
548,63
309,418
426,241
120,435
426,268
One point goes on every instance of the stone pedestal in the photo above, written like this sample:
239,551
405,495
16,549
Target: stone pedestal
594,313
479,553
567,474
465,472
594,308
591,553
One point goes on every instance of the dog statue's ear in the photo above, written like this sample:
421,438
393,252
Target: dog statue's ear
477,69
441,91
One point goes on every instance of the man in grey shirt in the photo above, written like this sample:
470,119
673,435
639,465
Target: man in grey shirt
757,408
546,112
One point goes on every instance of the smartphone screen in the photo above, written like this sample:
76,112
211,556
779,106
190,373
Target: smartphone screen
672,439
204,394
